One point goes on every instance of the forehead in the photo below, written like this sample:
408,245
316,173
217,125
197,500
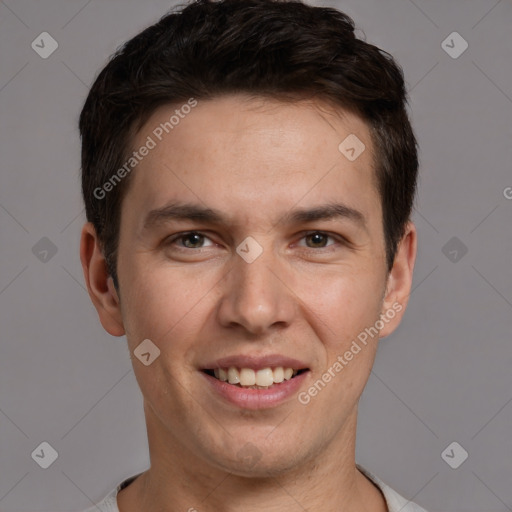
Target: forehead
253,153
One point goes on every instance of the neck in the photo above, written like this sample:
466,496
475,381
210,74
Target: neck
178,480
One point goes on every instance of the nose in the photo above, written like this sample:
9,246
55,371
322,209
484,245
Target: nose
255,296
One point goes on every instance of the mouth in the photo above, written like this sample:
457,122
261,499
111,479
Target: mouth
249,378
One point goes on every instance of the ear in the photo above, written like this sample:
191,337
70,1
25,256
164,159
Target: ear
99,284
399,282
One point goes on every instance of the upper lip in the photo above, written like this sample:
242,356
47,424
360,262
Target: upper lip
256,362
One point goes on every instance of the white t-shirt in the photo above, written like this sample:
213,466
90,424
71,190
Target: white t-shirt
394,501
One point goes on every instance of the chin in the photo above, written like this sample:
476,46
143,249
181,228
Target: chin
251,462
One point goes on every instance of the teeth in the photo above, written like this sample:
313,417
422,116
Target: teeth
264,377
233,376
278,374
249,378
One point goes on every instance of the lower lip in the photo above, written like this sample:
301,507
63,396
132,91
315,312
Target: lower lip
246,398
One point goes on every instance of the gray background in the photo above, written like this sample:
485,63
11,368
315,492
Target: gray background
444,376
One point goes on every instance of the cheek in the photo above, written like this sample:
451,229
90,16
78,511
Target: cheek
169,312
342,316
345,304
165,306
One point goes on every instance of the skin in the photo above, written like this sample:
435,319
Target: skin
254,160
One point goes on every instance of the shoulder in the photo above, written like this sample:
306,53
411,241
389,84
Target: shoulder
394,501
109,503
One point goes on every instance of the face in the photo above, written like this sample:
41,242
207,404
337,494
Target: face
250,241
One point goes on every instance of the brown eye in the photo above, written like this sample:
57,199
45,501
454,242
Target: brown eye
190,240
193,240
317,240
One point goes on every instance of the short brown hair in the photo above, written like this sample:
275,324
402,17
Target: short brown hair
270,48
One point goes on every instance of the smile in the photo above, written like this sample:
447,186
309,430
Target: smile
254,378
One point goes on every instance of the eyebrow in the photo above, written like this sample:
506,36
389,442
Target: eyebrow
330,211
194,212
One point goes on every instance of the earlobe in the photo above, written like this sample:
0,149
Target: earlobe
99,284
399,282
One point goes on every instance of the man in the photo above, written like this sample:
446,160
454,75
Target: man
249,171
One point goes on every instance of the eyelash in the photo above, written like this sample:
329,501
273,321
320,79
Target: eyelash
184,235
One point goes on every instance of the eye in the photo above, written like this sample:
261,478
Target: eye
190,240
317,239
